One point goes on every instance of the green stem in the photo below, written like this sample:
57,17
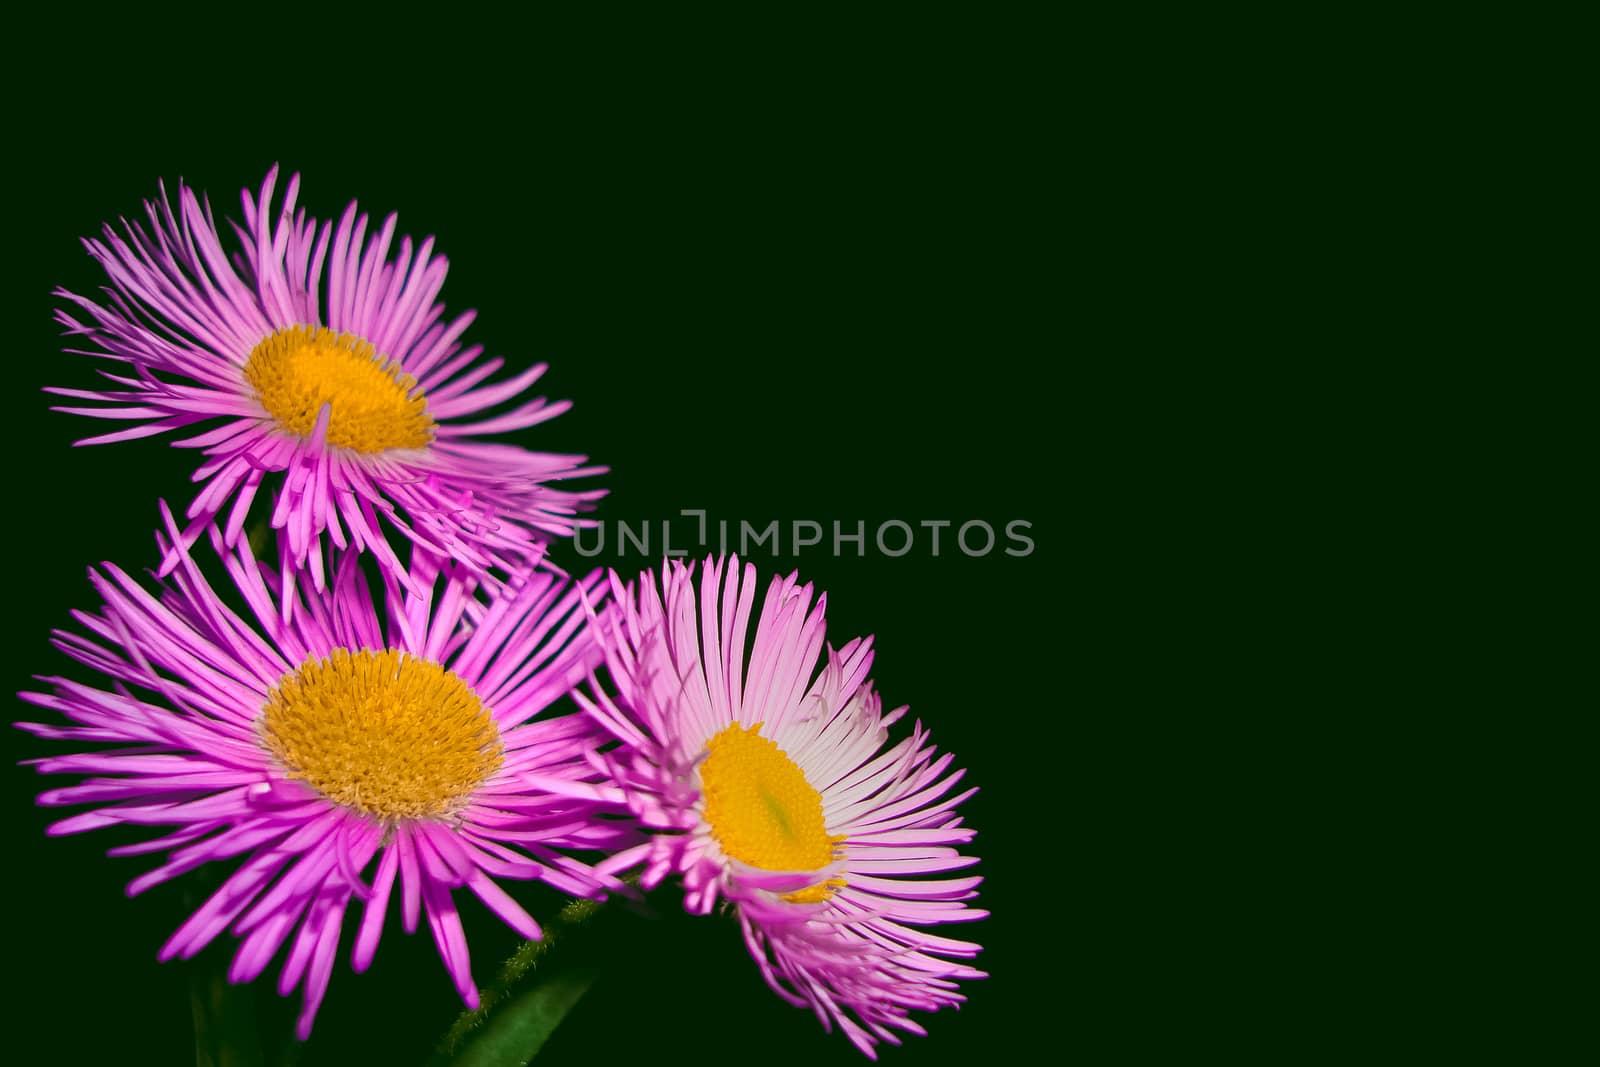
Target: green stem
520,1029
510,1024
224,1019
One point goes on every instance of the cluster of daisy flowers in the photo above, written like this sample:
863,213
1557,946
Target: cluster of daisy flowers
404,698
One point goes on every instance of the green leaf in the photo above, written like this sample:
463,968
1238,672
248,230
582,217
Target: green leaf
532,995
522,1025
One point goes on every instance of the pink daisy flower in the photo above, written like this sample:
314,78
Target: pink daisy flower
775,788
336,379
338,753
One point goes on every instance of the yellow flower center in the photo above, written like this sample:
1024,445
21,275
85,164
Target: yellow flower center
383,733
763,812
298,369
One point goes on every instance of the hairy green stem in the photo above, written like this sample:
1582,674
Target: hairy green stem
511,1023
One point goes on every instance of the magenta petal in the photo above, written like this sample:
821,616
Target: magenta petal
676,675
377,907
186,309
184,684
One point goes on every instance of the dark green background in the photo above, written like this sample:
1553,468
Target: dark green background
896,303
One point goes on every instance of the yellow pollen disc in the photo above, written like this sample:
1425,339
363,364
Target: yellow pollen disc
298,369
383,733
763,812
